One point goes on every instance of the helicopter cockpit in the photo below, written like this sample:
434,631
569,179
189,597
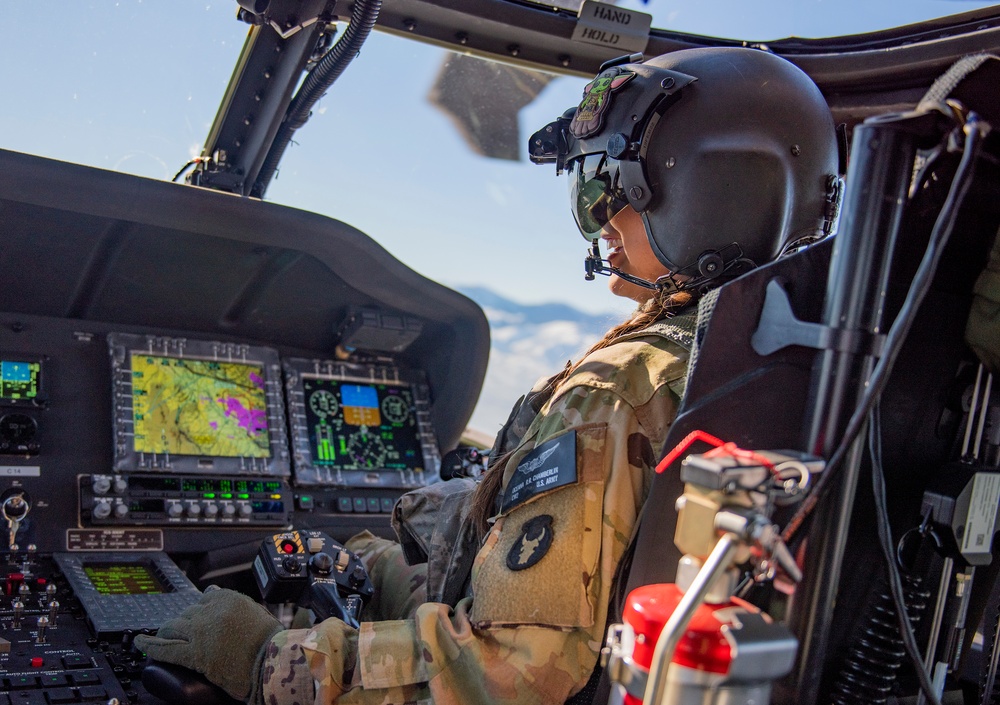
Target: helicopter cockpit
220,361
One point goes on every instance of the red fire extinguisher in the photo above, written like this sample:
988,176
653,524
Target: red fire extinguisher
728,648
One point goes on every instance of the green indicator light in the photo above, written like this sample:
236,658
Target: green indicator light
226,495
209,495
243,496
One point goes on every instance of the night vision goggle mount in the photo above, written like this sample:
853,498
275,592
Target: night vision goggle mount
620,139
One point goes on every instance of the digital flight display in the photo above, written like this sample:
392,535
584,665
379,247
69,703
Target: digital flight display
361,426
124,579
19,379
189,406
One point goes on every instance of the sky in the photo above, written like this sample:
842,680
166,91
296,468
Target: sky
133,85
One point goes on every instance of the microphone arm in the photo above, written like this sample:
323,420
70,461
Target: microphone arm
593,264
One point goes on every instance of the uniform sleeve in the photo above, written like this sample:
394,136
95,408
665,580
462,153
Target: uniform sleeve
399,587
533,630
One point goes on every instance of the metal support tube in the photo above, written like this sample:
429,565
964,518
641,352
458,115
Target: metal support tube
716,564
878,180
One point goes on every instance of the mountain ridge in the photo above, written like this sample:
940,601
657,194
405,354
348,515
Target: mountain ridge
527,341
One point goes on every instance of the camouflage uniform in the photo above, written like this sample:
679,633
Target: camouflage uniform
542,578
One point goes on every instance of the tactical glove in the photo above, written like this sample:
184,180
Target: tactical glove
223,637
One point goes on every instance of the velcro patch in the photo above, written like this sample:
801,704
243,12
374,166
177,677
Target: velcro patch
548,466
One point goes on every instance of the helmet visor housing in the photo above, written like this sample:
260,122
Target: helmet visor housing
595,192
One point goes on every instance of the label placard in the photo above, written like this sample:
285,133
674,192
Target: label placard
20,471
114,540
611,26
981,522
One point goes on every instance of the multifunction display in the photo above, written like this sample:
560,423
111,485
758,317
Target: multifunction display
127,590
359,426
199,407
362,426
189,406
123,579
19,379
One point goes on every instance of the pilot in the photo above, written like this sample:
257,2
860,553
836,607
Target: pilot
691,168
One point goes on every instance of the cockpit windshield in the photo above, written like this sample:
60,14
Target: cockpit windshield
134,86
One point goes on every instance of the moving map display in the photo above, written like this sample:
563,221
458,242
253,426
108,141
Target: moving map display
199,407
362,426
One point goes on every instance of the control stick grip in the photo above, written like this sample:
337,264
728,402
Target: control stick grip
182,686
325,601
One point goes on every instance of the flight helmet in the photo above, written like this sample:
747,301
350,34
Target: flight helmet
729,154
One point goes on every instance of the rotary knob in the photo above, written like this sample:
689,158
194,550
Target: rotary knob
120,485
211,510
245,510
102,510
321,563
228,510
101,484
194,510
121,510
174,510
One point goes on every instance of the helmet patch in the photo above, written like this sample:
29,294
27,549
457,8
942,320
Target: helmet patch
589,117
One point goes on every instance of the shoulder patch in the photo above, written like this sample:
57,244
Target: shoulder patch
533,543
550,465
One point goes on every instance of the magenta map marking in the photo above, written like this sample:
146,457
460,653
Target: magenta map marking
253,420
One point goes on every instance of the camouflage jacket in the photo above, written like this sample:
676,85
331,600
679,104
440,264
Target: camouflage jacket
541,582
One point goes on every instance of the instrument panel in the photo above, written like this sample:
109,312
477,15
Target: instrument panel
151,434
183,373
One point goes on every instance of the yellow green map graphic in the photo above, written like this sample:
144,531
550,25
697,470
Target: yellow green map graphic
199,407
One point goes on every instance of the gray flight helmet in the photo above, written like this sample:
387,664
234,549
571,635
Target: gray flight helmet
729,154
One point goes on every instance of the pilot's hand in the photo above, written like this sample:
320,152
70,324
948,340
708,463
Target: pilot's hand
223,637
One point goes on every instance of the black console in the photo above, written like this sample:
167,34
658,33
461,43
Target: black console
49,655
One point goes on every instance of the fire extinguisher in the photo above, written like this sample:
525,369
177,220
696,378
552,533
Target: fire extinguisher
729,649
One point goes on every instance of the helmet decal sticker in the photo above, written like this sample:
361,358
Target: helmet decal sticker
589,117
532,544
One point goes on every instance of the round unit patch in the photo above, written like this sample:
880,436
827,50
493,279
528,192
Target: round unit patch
533,543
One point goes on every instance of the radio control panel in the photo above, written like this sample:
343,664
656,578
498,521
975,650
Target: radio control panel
183,500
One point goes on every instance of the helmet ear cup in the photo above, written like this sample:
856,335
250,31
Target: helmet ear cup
743,155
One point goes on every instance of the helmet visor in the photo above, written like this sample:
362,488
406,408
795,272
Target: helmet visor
595,192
